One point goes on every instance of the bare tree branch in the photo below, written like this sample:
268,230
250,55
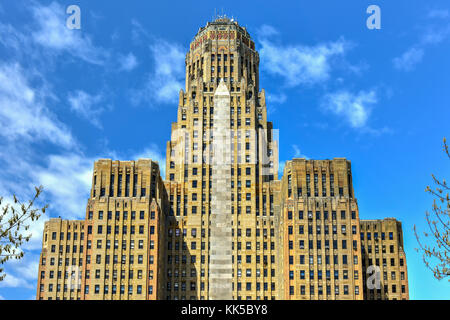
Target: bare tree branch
14,224
436,255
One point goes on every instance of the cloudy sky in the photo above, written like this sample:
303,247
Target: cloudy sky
334,89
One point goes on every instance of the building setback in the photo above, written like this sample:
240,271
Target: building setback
222,225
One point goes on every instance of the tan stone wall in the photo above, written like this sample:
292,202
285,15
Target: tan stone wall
61,257
123,235
382,246
320,228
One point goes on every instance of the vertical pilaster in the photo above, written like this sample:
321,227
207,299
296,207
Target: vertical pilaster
220,261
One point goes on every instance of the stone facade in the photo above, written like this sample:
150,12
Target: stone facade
382,246
221,225
220,263
61,260
320,230
117,252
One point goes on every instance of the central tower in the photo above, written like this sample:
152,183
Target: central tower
210,198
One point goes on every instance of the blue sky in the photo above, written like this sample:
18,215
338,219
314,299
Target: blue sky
334,88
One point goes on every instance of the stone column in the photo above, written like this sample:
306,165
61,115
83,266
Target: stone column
220,263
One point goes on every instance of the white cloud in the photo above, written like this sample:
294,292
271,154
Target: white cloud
266,31
299,64
128,62
438,13
354,108
434,33
86,106
138,32
67,181
408,60
298,153
52,33
166,80
276,98
11,38
154,153
27,267
23,113
11,281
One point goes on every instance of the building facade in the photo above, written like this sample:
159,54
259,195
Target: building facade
321,247
117,252
382,248
221,225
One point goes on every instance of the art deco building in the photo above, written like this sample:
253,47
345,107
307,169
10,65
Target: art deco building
61,260
221,225
117,252
382,246
222,55
320,230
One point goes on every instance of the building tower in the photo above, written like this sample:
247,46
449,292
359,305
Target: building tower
222,55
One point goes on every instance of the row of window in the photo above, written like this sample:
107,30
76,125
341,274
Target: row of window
377,262
193,246
140,259
97,274
301,244
121,289
248,232
58,288
193,272
320,275
248,210
375,236
302,259
69,236
385,289
67,247
111,192
377,249
318,215
124,229
118,215
393,276
320,290
123,274
124,244
192,286
60,261
301,229
193,259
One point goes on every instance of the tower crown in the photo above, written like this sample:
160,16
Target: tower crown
222,28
